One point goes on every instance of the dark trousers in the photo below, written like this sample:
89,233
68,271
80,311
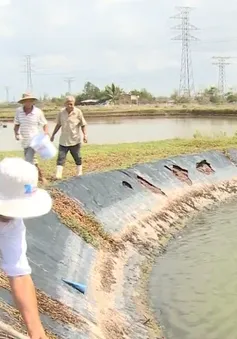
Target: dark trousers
75,152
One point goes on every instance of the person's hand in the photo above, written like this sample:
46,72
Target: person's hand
40,334
52,138
17,136
85,139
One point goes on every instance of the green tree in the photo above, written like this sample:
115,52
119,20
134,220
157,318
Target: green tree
231,97
213,94
91,91
113,92
143,94
175,96
179,99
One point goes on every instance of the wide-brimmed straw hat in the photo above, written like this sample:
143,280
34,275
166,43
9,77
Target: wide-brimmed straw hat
19,195
27,96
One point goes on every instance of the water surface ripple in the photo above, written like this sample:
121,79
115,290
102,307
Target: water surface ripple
194,284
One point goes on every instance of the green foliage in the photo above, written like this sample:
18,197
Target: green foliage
116,95
231,97
113,93
93,92
210,95
90,91
179,99
143,95
213,94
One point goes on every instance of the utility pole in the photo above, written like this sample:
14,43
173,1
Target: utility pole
28,71
7,93
186,83
221,62
69,81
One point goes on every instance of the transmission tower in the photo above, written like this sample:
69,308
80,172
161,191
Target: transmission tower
28,71
221,62
69,81
7,93
186,83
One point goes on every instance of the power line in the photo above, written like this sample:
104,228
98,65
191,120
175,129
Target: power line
69,81
221,62
28,71
186,83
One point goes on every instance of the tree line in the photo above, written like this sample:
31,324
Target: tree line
112,93
116,95
209,95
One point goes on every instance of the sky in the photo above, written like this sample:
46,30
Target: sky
128,42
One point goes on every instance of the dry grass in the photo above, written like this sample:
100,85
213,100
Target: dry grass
48,306
81,223
16,322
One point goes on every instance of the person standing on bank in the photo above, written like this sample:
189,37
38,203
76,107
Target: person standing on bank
72,122
20,198
27,123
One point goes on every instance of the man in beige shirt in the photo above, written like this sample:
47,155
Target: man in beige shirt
72,122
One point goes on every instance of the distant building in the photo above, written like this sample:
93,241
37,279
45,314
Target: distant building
134,99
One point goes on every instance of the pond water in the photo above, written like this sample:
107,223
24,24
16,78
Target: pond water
123,130
194,284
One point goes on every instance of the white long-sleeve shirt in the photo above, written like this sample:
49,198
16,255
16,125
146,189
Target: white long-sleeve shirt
13,248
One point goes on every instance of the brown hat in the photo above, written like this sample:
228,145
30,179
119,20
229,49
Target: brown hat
27,96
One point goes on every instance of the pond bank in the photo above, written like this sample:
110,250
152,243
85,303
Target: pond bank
145,111
143,234
116,223
141,219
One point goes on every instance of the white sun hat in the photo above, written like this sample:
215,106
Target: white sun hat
27,96
19,195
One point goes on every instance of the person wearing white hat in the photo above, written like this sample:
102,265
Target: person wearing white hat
27,123
20,198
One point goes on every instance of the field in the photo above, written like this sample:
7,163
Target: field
108,157
7,113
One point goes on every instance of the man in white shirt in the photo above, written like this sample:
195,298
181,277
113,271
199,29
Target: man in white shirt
20,198
27,123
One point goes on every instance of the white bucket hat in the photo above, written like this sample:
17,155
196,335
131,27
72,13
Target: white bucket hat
19,195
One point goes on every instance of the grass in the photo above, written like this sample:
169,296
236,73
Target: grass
86,226
152,110
108,157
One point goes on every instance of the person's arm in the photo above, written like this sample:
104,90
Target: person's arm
83,125
57,127
17,126
43,122
15,264
23,292
84,132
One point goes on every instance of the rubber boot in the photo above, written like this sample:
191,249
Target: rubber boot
59,172
79,170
